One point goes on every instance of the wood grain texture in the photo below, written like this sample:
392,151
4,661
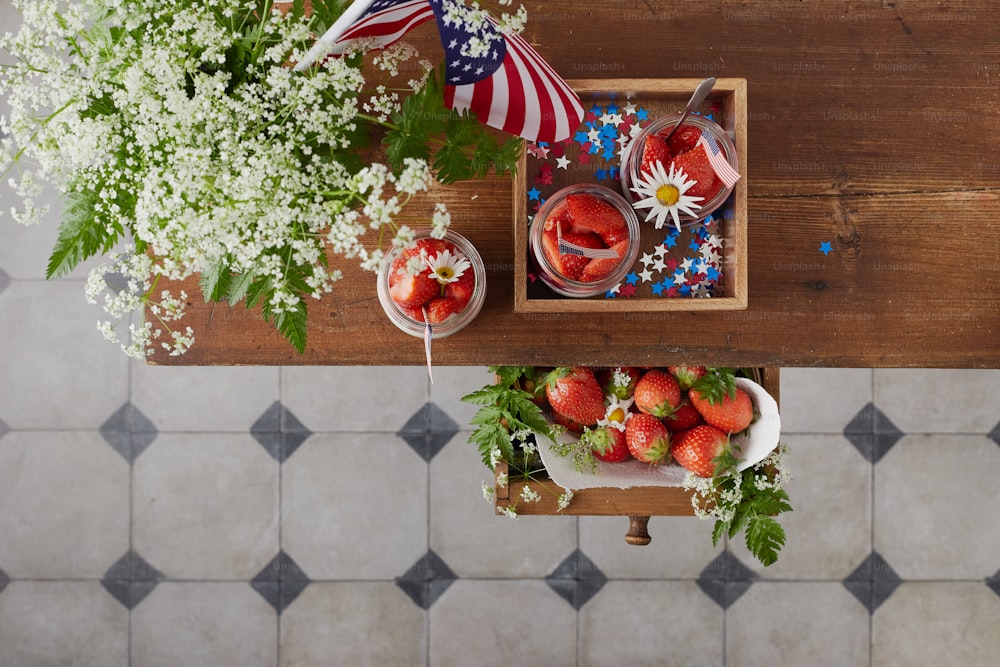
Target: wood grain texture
871,125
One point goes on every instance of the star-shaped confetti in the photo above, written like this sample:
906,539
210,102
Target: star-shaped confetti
825,247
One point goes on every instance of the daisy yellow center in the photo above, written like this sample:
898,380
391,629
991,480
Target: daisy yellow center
617,415
445,272
668,194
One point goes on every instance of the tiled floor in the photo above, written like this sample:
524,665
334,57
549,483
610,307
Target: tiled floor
333,516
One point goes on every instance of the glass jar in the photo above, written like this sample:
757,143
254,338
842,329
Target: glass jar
410,319
632,159
574,287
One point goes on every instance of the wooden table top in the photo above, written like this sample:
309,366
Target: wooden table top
872,126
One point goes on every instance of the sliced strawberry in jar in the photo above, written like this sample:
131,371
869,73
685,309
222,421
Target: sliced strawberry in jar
685,138
654,151
593,214
695,165
560,215
570,266
432,247
597,269
461,289
414,291
441,308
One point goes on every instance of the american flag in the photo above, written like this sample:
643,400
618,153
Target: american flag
510,87
720,165
567,248
385,21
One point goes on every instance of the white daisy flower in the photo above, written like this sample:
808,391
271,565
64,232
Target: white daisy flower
664,194
617,412
448,268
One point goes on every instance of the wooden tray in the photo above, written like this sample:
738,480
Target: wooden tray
728,102
638,503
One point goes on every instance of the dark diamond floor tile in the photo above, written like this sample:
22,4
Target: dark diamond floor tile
129,432
4,280
994,435
428,430
4,580
725,579
577,579
279,432
993,583
426,580
872,582
280,582
130,579
872,433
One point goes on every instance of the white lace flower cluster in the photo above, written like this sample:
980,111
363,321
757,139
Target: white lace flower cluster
473,20
712,500
136,109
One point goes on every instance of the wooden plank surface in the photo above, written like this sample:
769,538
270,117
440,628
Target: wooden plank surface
872,126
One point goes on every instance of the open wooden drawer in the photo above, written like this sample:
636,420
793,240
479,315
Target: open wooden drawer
637,503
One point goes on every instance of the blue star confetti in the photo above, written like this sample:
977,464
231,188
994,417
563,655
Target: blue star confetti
825,247
682,263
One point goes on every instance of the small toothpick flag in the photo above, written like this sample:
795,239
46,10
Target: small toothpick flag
567,248
716,158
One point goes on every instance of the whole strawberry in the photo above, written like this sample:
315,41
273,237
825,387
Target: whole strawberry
683,418
730,413
575,394
697,448
687,375
607,443
647,439
657,393
619,381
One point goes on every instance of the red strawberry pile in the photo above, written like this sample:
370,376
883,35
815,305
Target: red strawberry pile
424,292
589,222
685,154
682,414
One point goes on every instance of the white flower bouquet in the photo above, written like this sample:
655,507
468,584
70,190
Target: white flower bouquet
183,142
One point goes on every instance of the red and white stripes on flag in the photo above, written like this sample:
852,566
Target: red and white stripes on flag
508,86
384,21
716,158
523,96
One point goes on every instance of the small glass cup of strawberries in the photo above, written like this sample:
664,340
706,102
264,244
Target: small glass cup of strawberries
686,153
584,240
441,282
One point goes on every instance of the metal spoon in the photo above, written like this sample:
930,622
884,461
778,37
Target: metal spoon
700,93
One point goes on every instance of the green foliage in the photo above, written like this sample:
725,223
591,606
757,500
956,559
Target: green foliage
458,146
506,408
754,513
81,235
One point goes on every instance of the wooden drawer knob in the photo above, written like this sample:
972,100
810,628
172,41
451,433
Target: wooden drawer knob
638,533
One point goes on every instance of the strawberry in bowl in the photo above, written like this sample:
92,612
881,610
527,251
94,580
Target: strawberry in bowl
676,175
584,239
440,282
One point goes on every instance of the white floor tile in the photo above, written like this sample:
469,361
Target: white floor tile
354,398
936,506
353,623
939,401
64,505
354,506
204,624
203,398
58,370
822,400
205,506
816,624
61,623
501,622
472,539
935,623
